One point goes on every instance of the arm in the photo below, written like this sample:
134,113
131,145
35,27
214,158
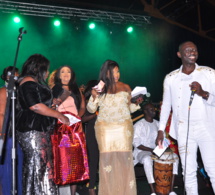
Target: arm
132,106
140,137
56,103
195,86
88,117
144,148
32,100
82,107
44,110
92,104
165,110
3,101
208,97
208,94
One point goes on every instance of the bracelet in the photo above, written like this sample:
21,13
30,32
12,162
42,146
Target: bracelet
206,95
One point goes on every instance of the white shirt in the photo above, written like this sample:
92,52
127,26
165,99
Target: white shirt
176,96
145,133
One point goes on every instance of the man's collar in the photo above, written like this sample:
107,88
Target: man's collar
196,66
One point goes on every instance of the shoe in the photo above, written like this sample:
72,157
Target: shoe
153,193
172,193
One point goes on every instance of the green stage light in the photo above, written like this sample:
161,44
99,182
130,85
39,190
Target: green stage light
57,22
92,25
130,29
16,19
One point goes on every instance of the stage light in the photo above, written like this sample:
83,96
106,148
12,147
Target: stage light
92,25
57,22
130,29
16,19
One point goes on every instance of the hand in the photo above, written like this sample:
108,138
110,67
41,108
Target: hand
195,86
94,93
57,101
64,119
139,100
160,137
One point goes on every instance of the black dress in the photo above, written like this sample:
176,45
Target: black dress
33,133
92,150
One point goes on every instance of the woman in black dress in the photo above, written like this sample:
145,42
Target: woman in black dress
92,147
34,125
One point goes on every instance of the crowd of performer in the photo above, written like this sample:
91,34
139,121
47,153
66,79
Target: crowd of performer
66,135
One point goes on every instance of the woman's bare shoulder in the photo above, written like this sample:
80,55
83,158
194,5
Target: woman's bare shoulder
3,91
124,87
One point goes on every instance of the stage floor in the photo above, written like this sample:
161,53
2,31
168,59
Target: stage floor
144,189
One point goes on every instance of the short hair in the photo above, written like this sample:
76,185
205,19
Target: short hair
179,47
6,71
144,106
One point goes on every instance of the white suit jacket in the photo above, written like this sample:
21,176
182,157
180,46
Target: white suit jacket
175,91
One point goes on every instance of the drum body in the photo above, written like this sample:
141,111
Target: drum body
163,173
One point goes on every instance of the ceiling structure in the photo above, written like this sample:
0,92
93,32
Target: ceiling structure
194,15
72,13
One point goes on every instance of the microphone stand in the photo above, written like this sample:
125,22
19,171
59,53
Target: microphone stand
186,146
11,96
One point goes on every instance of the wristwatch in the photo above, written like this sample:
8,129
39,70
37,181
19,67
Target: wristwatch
206,95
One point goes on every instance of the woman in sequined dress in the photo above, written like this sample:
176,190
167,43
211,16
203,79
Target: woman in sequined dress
69,98
34,125
114,132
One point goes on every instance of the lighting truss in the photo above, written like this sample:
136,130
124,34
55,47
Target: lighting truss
71,13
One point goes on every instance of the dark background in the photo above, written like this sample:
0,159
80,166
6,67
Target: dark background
145,56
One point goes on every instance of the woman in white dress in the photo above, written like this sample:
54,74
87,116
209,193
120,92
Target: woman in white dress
114,132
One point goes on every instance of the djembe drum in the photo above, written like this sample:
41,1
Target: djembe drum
163,173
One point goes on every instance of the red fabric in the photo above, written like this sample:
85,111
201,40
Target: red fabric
70,154
173,144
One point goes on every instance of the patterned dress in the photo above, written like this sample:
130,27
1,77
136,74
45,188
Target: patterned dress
114,134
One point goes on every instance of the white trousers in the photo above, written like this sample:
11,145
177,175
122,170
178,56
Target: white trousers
198,137
144,158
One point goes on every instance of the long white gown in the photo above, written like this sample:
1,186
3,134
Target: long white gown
114,134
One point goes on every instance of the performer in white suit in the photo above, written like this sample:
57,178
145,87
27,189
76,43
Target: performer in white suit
177,92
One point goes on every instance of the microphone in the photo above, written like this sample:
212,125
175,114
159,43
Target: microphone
21,33
191,97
